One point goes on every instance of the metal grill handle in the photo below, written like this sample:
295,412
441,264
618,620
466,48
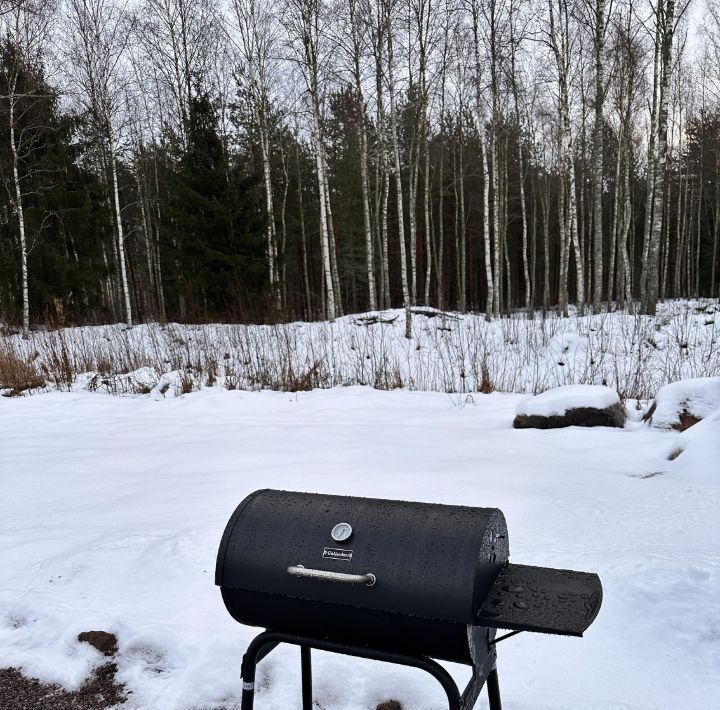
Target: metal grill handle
321,574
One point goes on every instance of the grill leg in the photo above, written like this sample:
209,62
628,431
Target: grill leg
268,640
249,663
493,688
260,646
306,672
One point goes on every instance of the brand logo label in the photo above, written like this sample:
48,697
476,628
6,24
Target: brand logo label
333,553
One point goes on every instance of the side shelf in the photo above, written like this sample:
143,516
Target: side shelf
541,599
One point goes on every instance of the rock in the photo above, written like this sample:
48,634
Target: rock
103,641
389,705
571,405
696,452
681,405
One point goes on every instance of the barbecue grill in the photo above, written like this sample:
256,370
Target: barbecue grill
395,581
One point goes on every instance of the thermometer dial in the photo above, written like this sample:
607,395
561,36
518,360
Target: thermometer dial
341,532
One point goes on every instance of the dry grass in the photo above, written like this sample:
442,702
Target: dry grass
448,353
18,373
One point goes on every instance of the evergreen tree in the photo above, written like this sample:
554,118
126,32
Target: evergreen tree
213,224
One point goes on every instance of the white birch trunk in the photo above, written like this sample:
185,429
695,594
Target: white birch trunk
369,248
333,244
270,237
651,166
398,180
651,290
119,232
428,222
21,219
412,222
324,237
384,235
462,236
492,301
598,154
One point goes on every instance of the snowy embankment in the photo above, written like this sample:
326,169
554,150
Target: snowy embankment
112,510
449,352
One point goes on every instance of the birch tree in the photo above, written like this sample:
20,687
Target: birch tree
598,13
515,39
303,23
493,303
257,48
562,43
99,35
712,35
26,25
358,15
665,20
389,31
180,38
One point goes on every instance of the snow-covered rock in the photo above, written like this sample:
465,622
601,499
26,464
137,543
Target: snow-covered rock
571,405
696,452
682,404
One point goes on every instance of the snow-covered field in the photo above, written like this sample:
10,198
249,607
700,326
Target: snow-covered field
449,352
112,508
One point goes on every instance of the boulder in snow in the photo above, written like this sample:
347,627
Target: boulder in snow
571,405
696,452
683,404
103,641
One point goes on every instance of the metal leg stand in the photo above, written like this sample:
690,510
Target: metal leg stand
249,664
268,640
493,688
306,672
259,647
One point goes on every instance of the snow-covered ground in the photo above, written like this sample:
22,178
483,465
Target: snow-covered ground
449,352
112,508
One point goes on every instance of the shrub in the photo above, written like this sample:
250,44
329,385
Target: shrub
17,374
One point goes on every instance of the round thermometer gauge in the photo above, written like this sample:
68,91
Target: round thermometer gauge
341,532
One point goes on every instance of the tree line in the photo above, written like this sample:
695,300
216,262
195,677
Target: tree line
301,159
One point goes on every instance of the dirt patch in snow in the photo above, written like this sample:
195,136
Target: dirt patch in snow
101,690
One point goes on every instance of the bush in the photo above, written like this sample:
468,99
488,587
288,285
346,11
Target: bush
17,374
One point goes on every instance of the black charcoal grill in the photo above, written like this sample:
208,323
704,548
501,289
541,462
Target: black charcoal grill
390,580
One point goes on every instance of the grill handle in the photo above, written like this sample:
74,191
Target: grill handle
325,576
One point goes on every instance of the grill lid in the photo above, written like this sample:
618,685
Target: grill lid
428,560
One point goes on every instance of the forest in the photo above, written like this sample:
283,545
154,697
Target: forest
258,161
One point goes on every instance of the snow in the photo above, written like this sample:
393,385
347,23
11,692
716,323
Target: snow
557,401
699,397
112,509
698,450
449,352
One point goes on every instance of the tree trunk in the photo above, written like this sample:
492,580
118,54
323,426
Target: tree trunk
119,232
270,245
716,229
369,250
492,306
651,290
303,237
21,218
333,247
398,179
427,185
387,301
598,154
